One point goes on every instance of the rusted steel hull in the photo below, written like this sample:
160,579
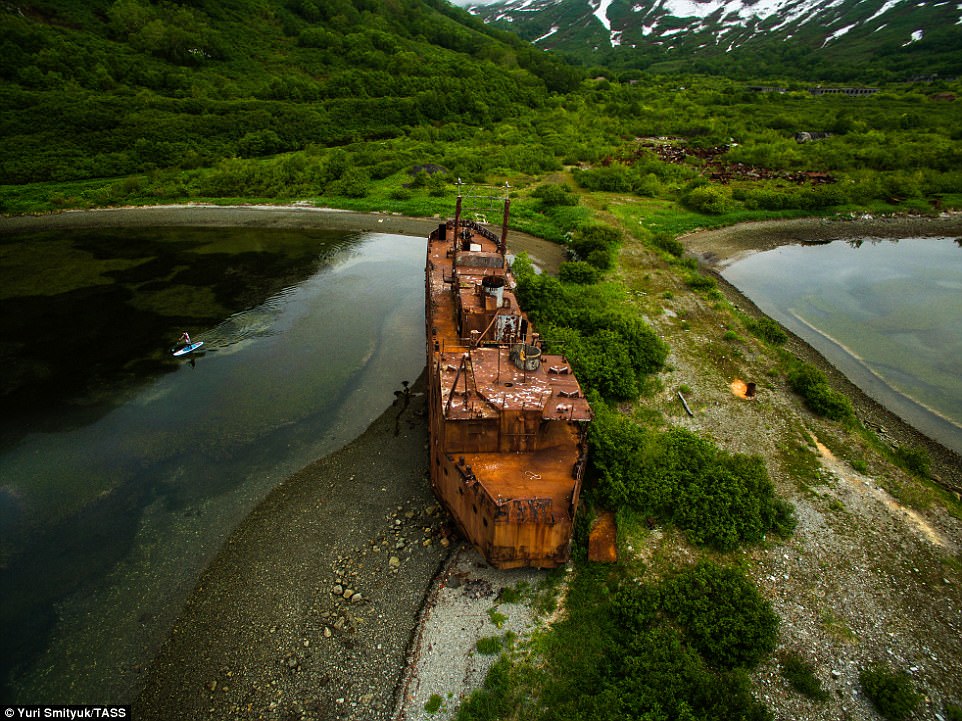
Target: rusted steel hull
507,422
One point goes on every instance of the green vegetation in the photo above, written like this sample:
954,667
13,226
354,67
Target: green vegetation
812,385
914,460
433,704
800,674
490,645
719,499
892,693
125,101
612,350
767,329
631,649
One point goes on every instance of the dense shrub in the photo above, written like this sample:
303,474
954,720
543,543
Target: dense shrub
611,349
719,499
596,244
800,674
699,281
891,693
709,199
668,243
554,194
679,649
914,459
578,271
722,614
768,330
810,383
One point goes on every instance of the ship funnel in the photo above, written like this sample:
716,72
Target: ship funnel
493,286
526,357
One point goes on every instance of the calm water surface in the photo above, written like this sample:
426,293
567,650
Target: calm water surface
122,471
885,312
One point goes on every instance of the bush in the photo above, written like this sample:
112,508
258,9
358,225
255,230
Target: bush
611,349
489,645
768,330
433,704
723,615
579,272
810,383
697,281
891,693
668,243
552,194
914,459
709,199
719,499
800,674
596,244
353,184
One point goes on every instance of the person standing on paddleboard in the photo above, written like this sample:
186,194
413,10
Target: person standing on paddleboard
185,337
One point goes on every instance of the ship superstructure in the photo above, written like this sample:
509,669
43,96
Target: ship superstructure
507,421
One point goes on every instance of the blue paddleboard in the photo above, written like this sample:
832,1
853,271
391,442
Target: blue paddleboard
188,348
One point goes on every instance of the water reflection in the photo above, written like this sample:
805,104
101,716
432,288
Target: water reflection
884,311
123,479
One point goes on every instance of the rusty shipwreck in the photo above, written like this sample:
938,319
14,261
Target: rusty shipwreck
507,421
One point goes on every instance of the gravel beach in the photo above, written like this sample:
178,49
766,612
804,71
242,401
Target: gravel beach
309,609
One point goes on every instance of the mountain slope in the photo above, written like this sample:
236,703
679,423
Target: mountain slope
830,39
108,88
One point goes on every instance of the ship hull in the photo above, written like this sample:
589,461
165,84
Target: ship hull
507,422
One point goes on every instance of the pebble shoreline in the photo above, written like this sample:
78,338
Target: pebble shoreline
309,610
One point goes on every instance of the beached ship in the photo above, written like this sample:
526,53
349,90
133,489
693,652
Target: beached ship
507,421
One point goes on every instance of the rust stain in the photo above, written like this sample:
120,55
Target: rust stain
602,540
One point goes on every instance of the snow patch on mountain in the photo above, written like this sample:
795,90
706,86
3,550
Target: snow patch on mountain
726,24
838,33
884,9
552,31
601,12
915,37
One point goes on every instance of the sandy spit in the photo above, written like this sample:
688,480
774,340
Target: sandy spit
722,247
543,253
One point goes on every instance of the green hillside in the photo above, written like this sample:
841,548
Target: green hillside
115,88
342,103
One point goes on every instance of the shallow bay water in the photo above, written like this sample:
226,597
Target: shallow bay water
885,312
123,471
